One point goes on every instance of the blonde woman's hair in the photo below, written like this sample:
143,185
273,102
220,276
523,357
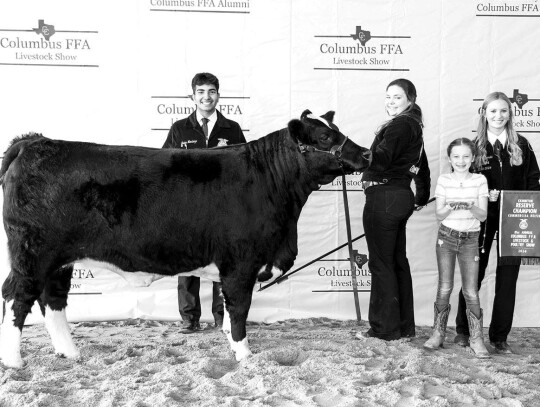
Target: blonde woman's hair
481,140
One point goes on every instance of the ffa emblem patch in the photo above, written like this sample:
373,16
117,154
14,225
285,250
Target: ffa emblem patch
222,142
523,224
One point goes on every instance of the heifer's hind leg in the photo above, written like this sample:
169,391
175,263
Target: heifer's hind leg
19,293
237,293
53,304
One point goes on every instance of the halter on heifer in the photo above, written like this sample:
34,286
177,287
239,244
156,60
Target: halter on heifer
335,150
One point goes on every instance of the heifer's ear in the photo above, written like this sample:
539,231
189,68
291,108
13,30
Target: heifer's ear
304,114
329,116
298,132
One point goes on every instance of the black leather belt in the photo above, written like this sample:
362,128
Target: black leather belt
367,184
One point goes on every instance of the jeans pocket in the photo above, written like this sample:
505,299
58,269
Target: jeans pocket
399,203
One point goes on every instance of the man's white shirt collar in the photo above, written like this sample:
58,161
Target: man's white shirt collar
211,119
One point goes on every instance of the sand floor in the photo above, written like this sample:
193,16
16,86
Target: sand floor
308,362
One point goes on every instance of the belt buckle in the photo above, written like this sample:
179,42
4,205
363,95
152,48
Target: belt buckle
367,184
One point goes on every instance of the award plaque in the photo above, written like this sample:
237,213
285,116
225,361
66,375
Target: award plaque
519,224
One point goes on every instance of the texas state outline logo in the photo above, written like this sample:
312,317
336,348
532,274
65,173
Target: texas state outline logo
520,99
361,35
47,30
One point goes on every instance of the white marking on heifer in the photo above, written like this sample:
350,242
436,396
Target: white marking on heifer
240,349
134,278
10,340
144,279
276,273
321,119
58,328
209,272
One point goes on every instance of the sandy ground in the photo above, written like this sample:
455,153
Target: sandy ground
309,362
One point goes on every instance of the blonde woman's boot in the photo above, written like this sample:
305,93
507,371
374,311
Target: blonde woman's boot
476,340
439,328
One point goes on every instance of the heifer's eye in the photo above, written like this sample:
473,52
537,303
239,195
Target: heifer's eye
325,137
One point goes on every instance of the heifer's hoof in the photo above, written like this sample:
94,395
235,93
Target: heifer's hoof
13,361
242,355
68,354
66,349
241,349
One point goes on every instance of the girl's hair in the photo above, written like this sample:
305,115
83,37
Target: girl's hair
462,141
413,110
481,140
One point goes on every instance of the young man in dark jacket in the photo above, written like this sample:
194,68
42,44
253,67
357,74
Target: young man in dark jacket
204,128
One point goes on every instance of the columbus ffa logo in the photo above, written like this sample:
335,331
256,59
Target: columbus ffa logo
222,142
359,259
519,99
47,30
523,224
361,35
362,51
36,46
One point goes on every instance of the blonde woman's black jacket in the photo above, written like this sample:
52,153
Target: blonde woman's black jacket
501,175
397,148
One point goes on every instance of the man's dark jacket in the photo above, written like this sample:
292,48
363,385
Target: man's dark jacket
187,133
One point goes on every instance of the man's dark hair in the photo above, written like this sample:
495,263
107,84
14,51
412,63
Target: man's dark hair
204,78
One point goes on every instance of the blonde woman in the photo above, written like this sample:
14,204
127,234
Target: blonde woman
508,162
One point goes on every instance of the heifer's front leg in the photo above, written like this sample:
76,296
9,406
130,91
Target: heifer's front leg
240,348
237,297
54,302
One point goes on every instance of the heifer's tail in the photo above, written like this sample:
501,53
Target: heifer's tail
13,151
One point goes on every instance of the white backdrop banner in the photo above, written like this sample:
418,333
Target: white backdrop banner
120,73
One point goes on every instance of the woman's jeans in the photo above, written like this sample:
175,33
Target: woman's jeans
452,244
391,308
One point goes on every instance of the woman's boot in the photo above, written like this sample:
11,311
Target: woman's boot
439,328
476,339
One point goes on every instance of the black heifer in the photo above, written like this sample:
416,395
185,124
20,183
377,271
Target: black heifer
163,211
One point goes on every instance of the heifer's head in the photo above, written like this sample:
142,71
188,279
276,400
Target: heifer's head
331,152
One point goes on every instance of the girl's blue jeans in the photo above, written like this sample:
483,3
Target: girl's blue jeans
463,246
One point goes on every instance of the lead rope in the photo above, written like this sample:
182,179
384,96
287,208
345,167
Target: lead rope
349,241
